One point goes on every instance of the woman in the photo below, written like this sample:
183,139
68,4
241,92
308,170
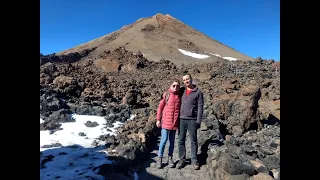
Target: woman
168,120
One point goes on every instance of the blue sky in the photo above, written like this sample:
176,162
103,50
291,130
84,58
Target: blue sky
249,26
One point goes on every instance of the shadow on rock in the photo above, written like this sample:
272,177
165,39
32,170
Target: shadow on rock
203,155
272,120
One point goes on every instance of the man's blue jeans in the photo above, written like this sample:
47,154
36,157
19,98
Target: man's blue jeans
165,134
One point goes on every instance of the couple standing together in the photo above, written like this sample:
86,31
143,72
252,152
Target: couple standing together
180,109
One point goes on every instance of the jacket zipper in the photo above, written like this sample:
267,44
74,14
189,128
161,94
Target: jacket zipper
174,109
188,95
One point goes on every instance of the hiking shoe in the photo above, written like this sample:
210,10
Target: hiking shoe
180,164
170,162
159,163
196,166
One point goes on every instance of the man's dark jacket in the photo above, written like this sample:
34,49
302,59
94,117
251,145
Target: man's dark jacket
192,105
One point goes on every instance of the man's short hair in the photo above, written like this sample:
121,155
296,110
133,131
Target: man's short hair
187,74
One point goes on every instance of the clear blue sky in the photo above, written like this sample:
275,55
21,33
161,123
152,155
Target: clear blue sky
249,26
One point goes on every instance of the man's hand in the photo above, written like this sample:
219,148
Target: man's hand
197,125
158,123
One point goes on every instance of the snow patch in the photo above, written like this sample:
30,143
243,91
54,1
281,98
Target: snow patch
230,58
216,55
69,134
194,55
227,58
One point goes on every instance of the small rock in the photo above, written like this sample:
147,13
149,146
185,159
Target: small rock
203,127
139,136
259,166
271,162
91,124
52,145
81,134
274,145
94,143
275,173
231,140
228,138
221,174
262,176
237,130
233,166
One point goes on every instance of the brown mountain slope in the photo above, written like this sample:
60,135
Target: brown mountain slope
161,36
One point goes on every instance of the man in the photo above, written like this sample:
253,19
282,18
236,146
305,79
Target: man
191,112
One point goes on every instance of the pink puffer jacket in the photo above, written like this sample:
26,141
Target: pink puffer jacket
169,113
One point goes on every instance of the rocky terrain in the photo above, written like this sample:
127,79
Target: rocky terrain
238,139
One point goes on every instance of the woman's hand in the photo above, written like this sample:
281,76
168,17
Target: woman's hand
158,124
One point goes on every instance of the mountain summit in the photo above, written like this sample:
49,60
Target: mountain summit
161,36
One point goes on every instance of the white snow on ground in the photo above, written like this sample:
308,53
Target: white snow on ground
227,58
203,56
215,54
194,55
78,160
230,58
70,133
